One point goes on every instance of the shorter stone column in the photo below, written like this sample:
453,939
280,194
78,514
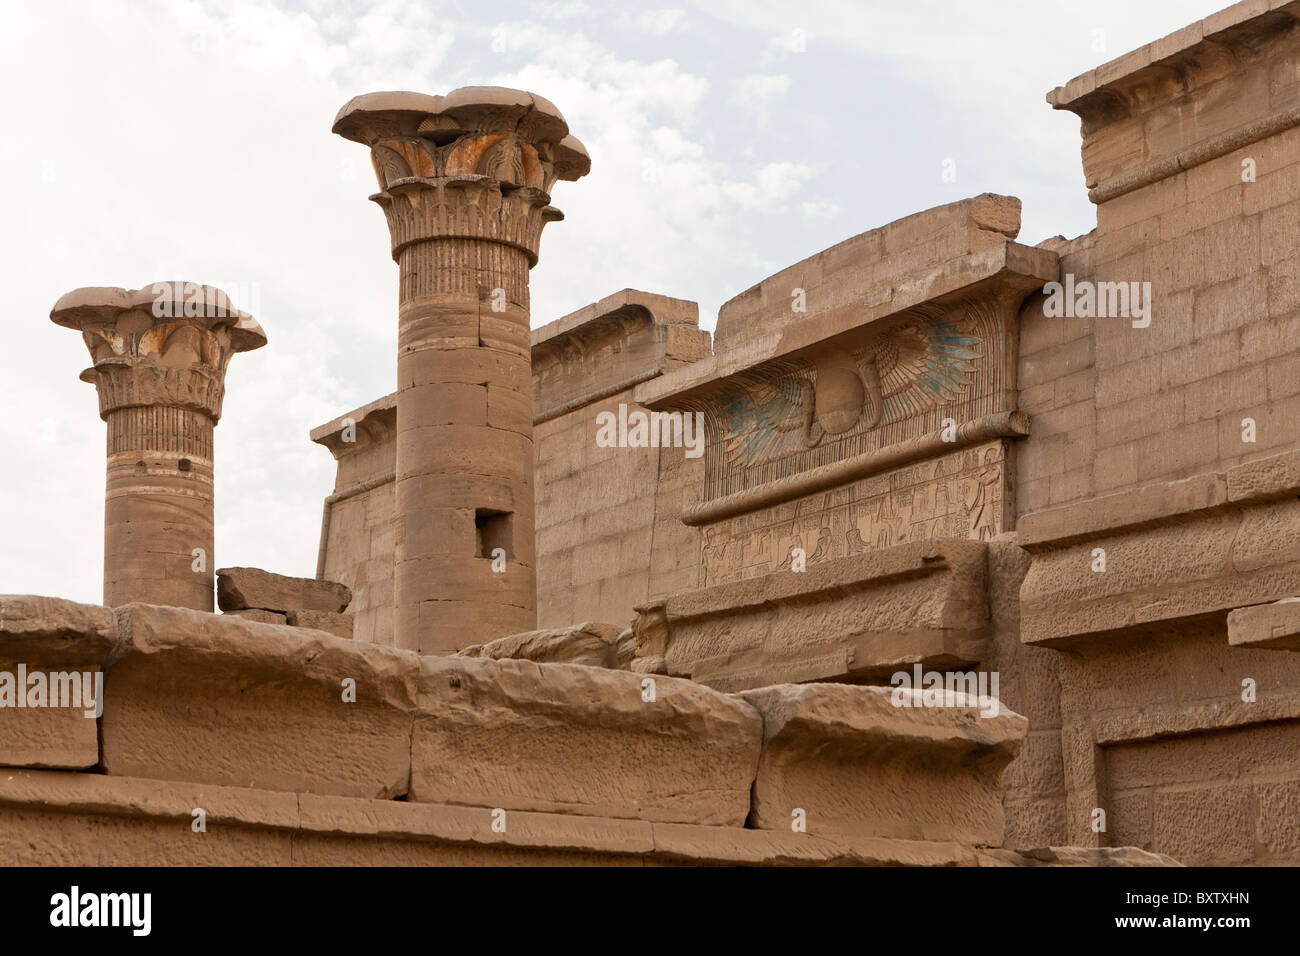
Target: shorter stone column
160,355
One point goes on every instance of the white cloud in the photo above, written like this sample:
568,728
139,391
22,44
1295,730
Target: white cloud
563,9
757,92
819,209
654,22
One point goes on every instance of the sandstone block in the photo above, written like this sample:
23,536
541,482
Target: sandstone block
54,630
581,740
64,643
592,644
262,617
340,625
1275,626
215,699
866,615
241,589
61,733
859,766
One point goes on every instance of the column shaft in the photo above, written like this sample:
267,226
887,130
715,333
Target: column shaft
158,508
464,446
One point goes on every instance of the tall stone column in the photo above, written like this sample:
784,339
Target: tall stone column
465,183
160,357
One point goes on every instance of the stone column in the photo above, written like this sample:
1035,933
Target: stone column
465,184
160,357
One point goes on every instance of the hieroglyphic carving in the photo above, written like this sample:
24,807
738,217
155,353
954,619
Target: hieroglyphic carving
955,496
853,396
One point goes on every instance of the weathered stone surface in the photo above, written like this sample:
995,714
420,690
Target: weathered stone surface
55,631
241,589
1075,856
560,737
592,644
340,625
214,699
62,642
857,765
866,268
59,737
1273,626
867,615
625,649
1161,570
260,616
88,819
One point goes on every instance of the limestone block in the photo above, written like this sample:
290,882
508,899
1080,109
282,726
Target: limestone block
239,589
215,699
340,625
866,615
592,644
1274,626
581,740
858,765
64,643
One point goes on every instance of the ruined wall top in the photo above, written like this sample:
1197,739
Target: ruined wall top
1187,98
863,271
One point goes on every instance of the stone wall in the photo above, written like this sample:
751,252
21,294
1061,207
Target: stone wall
1192,154
604,515
1166,448
219,740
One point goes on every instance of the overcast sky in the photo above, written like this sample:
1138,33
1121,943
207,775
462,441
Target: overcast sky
152,140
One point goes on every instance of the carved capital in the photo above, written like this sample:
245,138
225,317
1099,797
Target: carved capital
478,163
167,344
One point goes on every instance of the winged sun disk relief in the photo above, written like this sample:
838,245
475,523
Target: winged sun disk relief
909,370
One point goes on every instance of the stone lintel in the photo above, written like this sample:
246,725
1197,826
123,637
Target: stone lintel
873,761
855,618
1002,271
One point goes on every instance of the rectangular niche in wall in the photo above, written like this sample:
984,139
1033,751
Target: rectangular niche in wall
493,530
